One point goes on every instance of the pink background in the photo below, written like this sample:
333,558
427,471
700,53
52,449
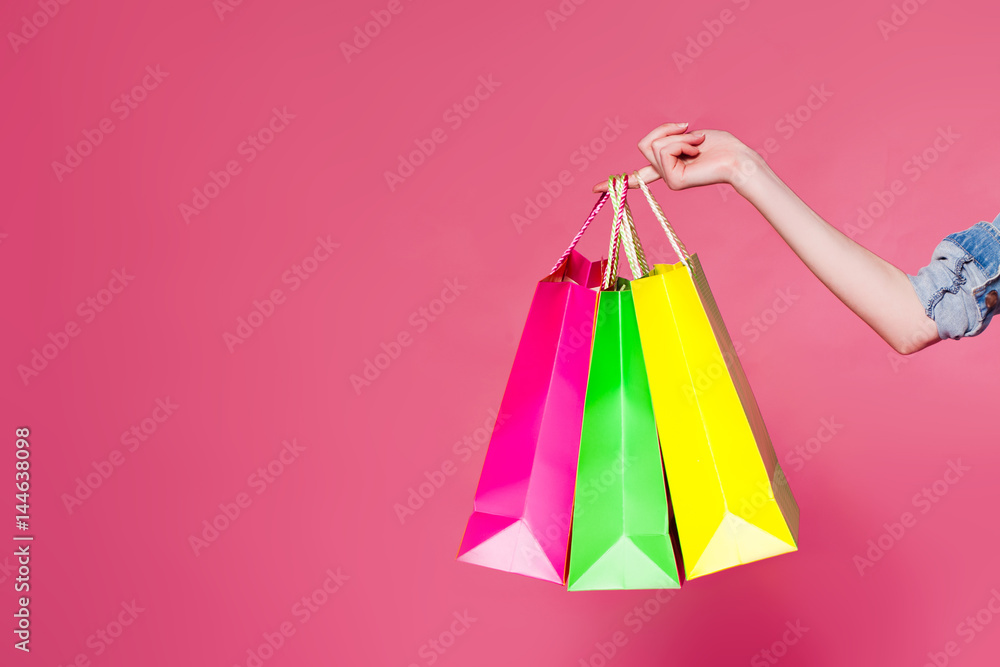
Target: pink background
900,420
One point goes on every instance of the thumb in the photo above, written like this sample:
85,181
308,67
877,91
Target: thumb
648,174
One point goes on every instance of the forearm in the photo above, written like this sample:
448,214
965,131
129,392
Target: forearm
874,289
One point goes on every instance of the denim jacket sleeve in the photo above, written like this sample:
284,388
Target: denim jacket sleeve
958,288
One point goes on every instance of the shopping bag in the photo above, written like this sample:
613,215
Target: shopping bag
730,498
621,524
524,500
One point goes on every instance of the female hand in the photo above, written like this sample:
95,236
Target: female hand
686,160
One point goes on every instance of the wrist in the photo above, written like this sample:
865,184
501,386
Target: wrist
748,171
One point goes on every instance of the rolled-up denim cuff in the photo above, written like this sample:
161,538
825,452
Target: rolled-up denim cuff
958,288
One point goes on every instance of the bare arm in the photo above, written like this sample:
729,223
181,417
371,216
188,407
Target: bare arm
875,290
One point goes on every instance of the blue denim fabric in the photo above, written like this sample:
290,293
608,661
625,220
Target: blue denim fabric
963,271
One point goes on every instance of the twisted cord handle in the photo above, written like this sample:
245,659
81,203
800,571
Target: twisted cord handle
675,241
624,232
617,186
579,234
630,237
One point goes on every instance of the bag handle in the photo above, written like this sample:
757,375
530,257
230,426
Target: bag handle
630,237
616,189
675,241
576,239
623,232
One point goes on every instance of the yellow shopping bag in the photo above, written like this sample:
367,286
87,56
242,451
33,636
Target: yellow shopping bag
730,498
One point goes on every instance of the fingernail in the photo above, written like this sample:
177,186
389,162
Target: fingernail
680,124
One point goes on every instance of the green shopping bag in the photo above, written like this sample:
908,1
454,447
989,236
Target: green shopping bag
620,535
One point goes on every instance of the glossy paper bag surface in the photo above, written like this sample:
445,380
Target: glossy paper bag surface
621,537
524,500
730,498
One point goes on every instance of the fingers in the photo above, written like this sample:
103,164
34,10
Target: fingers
668,153
663,130
670,142
675,145
686,149
648,174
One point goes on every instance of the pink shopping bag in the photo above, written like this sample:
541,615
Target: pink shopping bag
524,501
